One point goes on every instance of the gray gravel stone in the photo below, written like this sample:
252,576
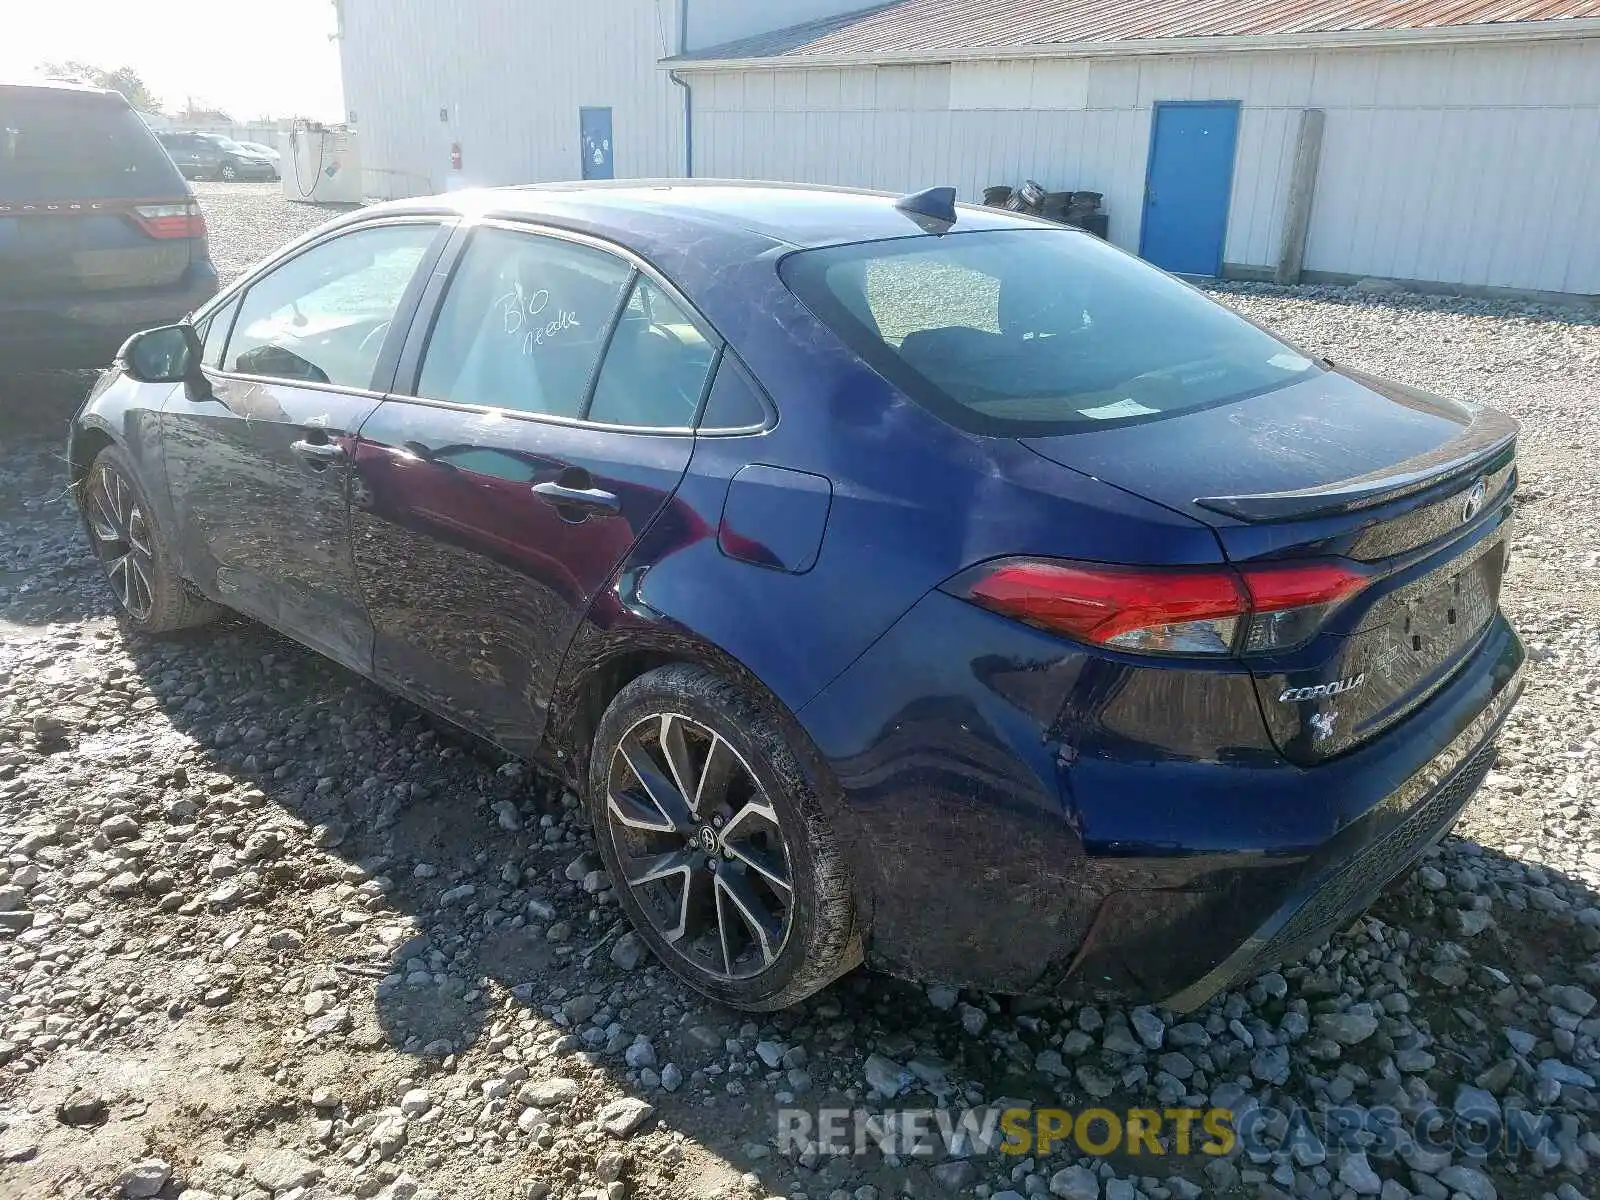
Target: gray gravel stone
283,1169
1075,1183
145,1179
1356,1173
622,1118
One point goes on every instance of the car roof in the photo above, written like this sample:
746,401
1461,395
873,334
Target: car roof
61,86
647,215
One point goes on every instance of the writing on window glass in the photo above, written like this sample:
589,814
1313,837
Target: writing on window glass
528,315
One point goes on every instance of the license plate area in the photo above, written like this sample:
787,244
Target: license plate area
46,236
1425,629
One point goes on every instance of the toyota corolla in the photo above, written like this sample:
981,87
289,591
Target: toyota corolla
897,581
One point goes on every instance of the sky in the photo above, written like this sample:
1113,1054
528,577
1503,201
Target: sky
251,58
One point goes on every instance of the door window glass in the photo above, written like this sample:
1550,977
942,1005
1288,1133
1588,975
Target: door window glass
323,315
656,368
523,324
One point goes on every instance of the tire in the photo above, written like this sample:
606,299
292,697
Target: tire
228,172
758,824
133,551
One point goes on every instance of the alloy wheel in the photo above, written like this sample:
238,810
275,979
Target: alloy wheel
700,846
122,539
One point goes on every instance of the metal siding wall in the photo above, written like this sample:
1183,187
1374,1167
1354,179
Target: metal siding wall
513,74
1475,165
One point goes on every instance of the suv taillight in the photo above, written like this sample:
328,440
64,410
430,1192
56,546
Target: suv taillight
1251,609
182,220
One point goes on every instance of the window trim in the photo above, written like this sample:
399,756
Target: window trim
425,321
404,310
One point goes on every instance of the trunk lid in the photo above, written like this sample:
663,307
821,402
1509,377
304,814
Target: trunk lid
1416,488
74,164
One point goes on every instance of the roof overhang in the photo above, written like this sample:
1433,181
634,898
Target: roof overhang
1444,35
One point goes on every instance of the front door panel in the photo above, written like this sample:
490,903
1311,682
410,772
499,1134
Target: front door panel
258,476
476,581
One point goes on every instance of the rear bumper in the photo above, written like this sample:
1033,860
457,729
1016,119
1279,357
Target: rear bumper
85,329
1035,819
1349,871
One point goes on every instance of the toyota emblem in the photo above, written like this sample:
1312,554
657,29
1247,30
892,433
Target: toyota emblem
1473,504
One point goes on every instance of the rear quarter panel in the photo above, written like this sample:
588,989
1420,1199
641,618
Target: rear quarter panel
913,502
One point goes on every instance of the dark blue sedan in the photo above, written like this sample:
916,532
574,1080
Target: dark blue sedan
921,585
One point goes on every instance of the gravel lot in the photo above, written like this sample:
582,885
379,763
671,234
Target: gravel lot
265,931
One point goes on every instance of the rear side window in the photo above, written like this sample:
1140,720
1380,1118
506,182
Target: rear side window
656,368
63,145
1020,332
322,317
523,324
734,403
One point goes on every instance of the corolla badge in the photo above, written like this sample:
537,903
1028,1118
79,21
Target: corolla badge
1322,690
1473,504
1322,725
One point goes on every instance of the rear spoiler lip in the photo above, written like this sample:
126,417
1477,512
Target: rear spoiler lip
1488,441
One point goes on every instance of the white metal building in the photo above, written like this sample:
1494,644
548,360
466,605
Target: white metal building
1451,142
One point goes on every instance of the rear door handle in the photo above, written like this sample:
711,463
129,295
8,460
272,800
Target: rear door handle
322,452
589,500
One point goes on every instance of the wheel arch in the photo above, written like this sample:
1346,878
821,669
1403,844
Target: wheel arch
600,663
87,442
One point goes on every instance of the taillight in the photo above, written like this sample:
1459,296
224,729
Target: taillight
170,220
1253,609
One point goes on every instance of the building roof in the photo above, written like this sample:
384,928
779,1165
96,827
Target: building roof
921,29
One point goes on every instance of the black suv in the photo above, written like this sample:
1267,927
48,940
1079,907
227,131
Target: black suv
212,156
99,234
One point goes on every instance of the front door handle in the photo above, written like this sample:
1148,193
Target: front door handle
587,500
319,452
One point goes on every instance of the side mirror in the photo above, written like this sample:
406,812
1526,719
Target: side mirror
170,354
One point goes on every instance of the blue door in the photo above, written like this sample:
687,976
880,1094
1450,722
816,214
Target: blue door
594,124
1187,185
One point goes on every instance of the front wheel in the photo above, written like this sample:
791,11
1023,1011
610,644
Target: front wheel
716,844
132,552
229,172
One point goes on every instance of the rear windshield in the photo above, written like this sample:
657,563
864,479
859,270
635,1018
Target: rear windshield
60,145
1031,332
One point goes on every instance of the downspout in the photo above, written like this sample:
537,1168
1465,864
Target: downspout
688,92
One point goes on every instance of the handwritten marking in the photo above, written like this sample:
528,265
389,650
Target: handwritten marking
520,313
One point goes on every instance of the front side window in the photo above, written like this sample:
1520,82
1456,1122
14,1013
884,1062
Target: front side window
322,316
1029,332
214,334
523,324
